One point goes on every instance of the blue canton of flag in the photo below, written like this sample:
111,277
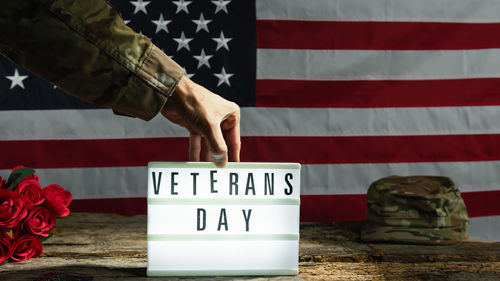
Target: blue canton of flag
213,40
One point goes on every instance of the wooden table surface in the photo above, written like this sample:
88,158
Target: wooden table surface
113,247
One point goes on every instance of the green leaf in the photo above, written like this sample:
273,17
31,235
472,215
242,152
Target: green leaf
43,239
4,262
17,176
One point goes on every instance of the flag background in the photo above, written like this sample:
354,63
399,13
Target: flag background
354,90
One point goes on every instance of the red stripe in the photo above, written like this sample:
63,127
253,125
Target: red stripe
91,153
313,207
372,149
287,34
306,150
482,203
376,93
123,206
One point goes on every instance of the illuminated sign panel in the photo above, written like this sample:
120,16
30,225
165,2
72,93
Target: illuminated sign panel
239,220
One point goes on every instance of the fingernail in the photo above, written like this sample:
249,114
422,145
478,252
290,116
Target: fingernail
218,158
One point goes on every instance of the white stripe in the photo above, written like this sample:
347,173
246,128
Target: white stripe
122,182
485,228
381,10
355,178
370,121
81,124
376,64
261,121
102,182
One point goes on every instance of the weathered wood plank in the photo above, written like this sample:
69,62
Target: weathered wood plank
113,247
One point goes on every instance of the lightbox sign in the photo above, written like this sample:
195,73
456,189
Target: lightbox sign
208,221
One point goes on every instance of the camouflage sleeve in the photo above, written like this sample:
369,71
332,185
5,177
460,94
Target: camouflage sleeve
84,47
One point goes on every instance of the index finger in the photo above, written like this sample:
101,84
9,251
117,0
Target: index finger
233,142
194,146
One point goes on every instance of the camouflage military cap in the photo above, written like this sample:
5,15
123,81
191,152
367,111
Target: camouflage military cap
415,209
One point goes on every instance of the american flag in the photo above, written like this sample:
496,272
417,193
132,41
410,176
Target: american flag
354,90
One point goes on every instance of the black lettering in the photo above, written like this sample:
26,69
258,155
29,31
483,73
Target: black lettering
222,219
173,183
156,185
233,181
201,223
289,190
250,184
247,219
212,181
194,182
269,183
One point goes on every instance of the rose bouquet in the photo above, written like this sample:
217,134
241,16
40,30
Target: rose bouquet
28,213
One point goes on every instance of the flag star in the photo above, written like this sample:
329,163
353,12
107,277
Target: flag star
126,21
202,23
183,42
182,5
188,75
140,5
16,79
221,5
223,77
161,24
203,59
222,41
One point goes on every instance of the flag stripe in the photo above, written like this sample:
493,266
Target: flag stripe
292,64
484,227
380,10
377,93
260,121
286,34
307,150
92,153
313,207
316,179
354,178
371,149
82,124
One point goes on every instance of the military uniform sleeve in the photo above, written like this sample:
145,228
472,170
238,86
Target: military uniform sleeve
84,47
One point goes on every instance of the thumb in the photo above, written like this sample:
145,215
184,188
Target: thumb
217,146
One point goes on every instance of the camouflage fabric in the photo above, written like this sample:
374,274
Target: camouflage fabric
84,47
415,209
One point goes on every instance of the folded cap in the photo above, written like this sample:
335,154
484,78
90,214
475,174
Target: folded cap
415,209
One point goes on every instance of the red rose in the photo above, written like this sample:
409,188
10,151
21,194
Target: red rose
11,209
57,199
40,221
11,233
5,249
30,192
31,177
26,247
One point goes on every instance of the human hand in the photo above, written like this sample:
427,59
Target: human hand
213,122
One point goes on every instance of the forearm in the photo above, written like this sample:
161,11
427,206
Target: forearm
84,47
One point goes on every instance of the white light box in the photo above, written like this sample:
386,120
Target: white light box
209,221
